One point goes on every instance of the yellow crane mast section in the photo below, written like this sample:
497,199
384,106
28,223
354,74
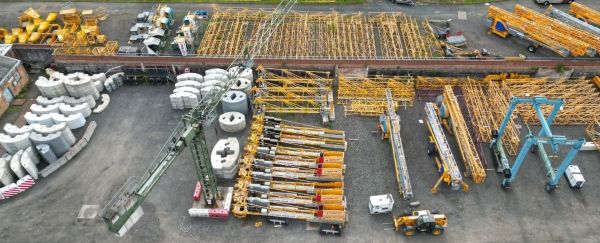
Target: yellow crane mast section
463,137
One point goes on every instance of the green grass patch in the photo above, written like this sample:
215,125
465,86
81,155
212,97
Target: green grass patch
221,1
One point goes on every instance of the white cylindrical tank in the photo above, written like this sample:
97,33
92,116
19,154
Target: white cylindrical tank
235,101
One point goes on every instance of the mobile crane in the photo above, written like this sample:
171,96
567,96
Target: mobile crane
585,13
124,209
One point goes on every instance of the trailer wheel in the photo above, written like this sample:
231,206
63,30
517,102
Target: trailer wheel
431,149
546,3
550,188
438,230
531,48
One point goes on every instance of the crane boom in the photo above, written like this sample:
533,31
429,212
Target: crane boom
402,177
124,209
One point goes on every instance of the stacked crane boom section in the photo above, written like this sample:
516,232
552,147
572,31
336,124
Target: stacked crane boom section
468,151
367,96
321,35
585,13
578,108
288,91
283,179
400,167
503,23
557,26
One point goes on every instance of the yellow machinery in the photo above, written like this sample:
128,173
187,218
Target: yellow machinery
438,145
585,13
283,180
504,23
292,91
421,221
367,96
557,26
453,117
32,29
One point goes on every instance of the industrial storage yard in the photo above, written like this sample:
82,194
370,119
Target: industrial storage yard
181,122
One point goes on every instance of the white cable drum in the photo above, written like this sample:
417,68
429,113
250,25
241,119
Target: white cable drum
215,71
46,153
76,101
41,100
73,121
105,99
211,90
45,119
235,101
29,166
242,84
15,165
13,130
83,108
12,144
32,153
56,141
232,122
6,174
40,110
189,83
191,90
246,73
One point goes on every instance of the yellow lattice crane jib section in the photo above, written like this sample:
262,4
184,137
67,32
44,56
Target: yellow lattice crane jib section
468,151
559,27
585,13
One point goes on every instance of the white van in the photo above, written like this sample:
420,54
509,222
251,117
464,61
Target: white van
546,2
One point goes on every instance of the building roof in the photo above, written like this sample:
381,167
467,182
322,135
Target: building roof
7,64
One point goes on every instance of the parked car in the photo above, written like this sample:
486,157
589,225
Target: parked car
546,2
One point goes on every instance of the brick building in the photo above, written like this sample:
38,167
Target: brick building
13,77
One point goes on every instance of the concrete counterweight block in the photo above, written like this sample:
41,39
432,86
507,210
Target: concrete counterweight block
44,101
32,153
210,90
46,153
15,165
232,122
56,141
6,175
83,108
105,100
190,76
235,101
13,130
51,88
188,83
40,110
73,121
45,119
215,71
110,85
191,90
60,127
80,85
224,158
76,101
12,144
28,163
183,100
246,73
242,84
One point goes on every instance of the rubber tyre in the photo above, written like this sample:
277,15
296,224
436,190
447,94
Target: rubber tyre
435,211
505,185
438,230
431,149
408,230
531,49
550,188
546,3
406,213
